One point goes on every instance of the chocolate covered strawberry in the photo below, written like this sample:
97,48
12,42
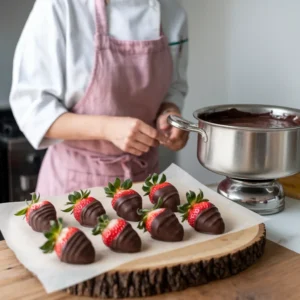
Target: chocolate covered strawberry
161,223
86,209
156,189
38,213
125,200
201,214
70,244
118,235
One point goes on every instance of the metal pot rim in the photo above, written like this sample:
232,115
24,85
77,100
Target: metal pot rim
214,108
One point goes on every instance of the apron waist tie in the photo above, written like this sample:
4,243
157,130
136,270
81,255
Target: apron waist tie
123,159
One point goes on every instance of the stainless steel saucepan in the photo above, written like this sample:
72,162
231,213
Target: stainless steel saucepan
244,152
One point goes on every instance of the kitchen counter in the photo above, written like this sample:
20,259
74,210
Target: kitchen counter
275,276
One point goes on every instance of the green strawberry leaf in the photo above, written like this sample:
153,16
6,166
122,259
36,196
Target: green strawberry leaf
145,189
71,198
148,183
68,209
111,187
155,178
163,179
22,212
117,183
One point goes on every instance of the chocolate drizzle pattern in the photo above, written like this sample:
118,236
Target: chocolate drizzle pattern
170,197
90,214
128,241
78,250
166,227
127,206
39,219
210,221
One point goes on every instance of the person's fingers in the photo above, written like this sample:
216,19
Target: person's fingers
162,122
177,134
145,129
134,151
146,140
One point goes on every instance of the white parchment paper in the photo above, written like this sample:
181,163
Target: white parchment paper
55,275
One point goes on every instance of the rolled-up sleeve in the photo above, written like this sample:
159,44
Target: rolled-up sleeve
38,83
180,52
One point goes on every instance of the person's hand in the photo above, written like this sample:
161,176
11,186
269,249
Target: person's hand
131,135
176,138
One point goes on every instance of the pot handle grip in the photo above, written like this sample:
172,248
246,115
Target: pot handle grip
186,125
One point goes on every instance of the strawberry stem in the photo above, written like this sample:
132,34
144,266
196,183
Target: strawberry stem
151,181
75,198
113,188
144,213
52,236
34,199
103,222
192,199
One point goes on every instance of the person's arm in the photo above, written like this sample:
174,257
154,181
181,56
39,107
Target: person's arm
174,100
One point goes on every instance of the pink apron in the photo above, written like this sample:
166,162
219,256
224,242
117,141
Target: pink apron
130,78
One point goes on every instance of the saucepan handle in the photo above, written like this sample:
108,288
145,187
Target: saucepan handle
186,125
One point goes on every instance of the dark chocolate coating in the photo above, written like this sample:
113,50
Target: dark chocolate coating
170,197
166,227
128,241
90,214
210,221
78,250
235,117
39,219
127,206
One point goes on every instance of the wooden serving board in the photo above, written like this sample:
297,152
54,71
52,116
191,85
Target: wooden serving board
177,270
291,186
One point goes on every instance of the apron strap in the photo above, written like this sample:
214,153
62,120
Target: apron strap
101,17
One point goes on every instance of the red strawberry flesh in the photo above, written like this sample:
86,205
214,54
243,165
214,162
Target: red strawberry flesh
63,238
113,229
80,205
151,216
34,207
156,188
196,210
121,193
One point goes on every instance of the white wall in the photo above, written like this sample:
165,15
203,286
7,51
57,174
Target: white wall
241,51
265,52
208,67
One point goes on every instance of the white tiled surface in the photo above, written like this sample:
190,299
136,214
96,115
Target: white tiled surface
284,228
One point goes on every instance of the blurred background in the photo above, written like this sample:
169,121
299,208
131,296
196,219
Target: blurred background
240,52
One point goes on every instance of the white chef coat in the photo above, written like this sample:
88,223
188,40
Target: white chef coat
55,55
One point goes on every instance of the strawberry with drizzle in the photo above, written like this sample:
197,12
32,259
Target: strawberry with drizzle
118,235
201,214
125,201
70,244
161,223
38,213
86,209
156,189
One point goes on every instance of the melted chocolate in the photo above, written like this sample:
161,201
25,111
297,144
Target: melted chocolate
39,219
166,227
78,250
90,214
128,241
234,117
127,207
170,197
210,221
